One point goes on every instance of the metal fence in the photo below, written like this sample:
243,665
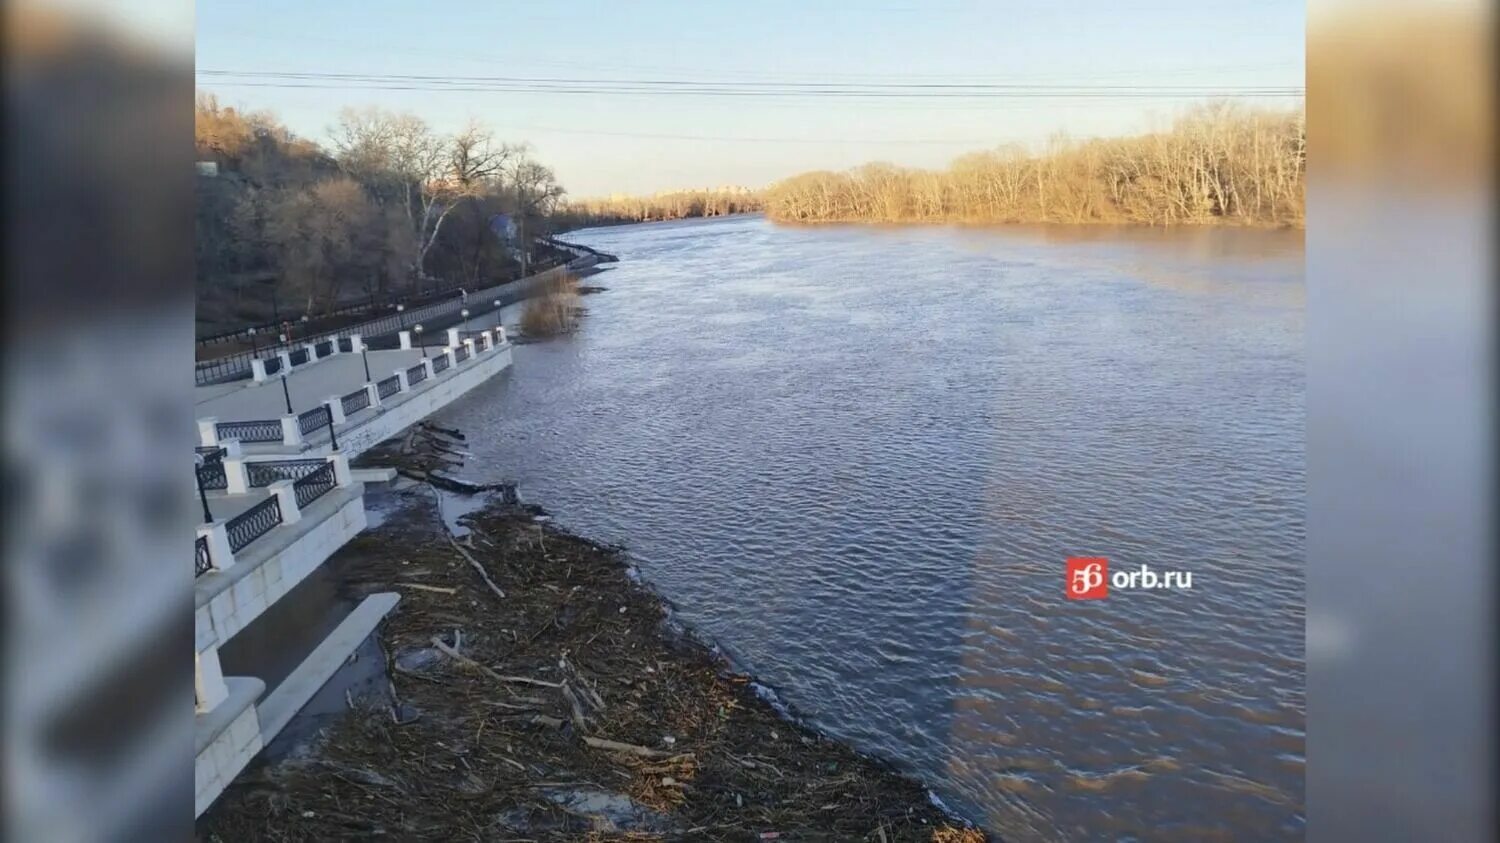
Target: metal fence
355,401
388,387
440,363
317,417
202,561
253,523
461,353
237,364
265,472
263,430
323,348
315,485
298,357
211,474
416,374
272,364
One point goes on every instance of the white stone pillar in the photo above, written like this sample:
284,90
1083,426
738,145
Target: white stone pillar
452,358
401,378
336,408
452,337
286,360
427,364
231,447
356,343
290,514
469,344
405,340
218,545
208,680
500,333
291,432
341,471
312,351
237,482
208,432
374,392
258,369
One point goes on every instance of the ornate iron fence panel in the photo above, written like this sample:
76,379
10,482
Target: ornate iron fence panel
263,430
202,561
253,523
324,348
355,401
298,357
439,363
346,345
461,353
265,472
211,474
416,374
272,364
313,419
314,485
388,387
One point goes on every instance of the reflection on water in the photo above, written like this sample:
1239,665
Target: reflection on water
858,457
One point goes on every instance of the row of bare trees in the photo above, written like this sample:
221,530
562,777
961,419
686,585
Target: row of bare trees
674,205
390,208
1219,163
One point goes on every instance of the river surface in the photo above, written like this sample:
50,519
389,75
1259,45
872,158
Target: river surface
858,457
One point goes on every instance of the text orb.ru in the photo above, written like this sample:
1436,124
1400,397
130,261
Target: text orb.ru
1088,578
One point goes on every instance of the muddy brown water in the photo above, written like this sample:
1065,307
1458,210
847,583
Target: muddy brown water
858,457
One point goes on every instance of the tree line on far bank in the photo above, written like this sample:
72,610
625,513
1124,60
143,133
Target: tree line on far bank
391,208
1219,163
674,205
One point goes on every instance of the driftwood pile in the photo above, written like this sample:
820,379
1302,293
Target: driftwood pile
536,694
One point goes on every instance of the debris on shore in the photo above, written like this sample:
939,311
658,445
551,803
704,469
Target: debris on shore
537,693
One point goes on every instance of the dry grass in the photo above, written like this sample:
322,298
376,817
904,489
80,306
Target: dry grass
553,312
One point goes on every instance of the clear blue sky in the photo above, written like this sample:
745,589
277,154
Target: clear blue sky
592,142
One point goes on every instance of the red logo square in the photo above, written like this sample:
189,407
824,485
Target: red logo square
1088,578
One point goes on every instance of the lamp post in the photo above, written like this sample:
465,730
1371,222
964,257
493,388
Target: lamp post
497,312
254,349
208,517
286,393
365,357
400,318
421,341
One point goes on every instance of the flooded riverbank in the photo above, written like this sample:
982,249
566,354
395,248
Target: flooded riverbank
551,698
859,457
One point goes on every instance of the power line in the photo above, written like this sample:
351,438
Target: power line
701,88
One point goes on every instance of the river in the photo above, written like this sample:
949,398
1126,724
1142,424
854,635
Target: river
858,458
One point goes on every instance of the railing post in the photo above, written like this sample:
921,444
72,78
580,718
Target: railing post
286,360
469,344
452,358
231,447
282,489
341,473
291,432
236,481
500,333
218,545
208,680
335,406
356,343
487,339
208,431
401,379
312,351
405,340
258,369
373,391
452,337
427,365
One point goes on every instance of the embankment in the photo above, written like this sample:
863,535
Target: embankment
538,691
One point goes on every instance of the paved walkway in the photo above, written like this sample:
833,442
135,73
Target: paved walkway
309,385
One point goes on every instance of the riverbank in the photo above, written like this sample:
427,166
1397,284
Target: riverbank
539,691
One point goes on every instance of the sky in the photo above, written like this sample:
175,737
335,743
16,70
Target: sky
600,142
